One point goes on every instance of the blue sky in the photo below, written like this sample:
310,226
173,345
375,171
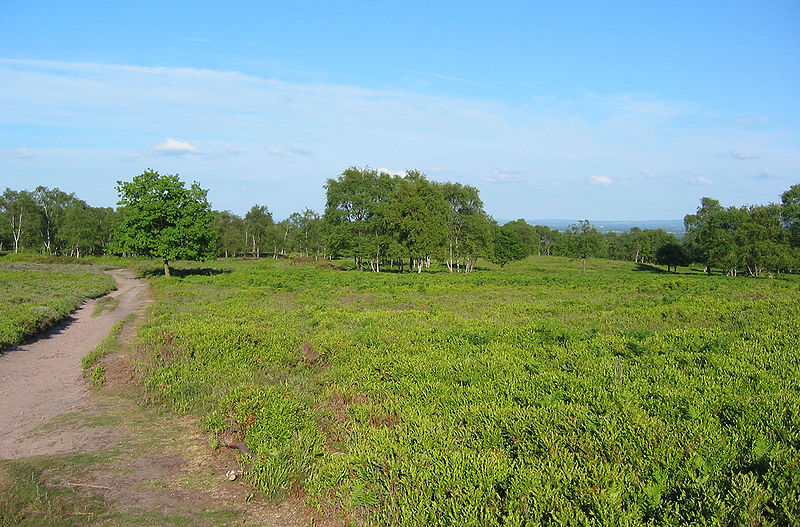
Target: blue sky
610,110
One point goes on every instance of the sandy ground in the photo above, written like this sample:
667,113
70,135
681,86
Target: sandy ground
42,379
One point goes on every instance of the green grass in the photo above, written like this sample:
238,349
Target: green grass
36,296
107,303
109,345
26,500
533,395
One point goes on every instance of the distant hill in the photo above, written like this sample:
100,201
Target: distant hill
673,226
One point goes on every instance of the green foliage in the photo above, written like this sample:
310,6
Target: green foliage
107,346
671,255
508,247
53,222
284,440
35,296
27,499
98,376
755,238
163,219
790,213
373,217
531,396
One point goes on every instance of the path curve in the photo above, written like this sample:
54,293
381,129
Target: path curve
42,379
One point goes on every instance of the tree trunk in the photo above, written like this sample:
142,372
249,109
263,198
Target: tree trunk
583,265
166,269
450,259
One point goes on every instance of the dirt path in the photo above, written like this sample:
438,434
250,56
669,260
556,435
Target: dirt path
101,456
41,379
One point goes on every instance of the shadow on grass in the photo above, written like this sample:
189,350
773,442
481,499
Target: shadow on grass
45,331
182,273
651,268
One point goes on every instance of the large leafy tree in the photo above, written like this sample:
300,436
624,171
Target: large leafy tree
163,219
417,216
230,230
586,242
19,217
468,228
508,247
527,233
355,215
790,213
51,203
672,255
260,230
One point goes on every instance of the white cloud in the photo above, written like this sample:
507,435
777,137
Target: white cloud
299,150
504,175
22,153
174,147
701,181
604,181
744,155
277,125
293,150
753,121
767,176
384,170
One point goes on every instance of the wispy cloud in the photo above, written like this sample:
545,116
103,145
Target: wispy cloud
701,181
441,76
300,151
753,121
174,147
277,125
21,153
292,150
765,176
504,175
603,181
744,155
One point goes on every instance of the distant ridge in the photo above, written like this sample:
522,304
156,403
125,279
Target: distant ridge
673,226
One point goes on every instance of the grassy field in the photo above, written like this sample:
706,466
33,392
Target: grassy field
533,395
35,296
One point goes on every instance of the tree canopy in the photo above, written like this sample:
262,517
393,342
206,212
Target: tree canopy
163,219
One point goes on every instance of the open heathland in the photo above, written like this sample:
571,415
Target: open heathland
537,394
35,296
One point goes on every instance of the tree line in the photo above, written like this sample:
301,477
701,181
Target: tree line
404,223
52,221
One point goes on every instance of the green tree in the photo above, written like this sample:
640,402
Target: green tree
703,236
548,238
527,234
19,216
163,219
259,231
468,229
51,204
230,233
305,232
586,242
760,240
417,217
355,218
508,247
790,214
672,255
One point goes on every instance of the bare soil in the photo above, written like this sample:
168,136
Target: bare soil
127,463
